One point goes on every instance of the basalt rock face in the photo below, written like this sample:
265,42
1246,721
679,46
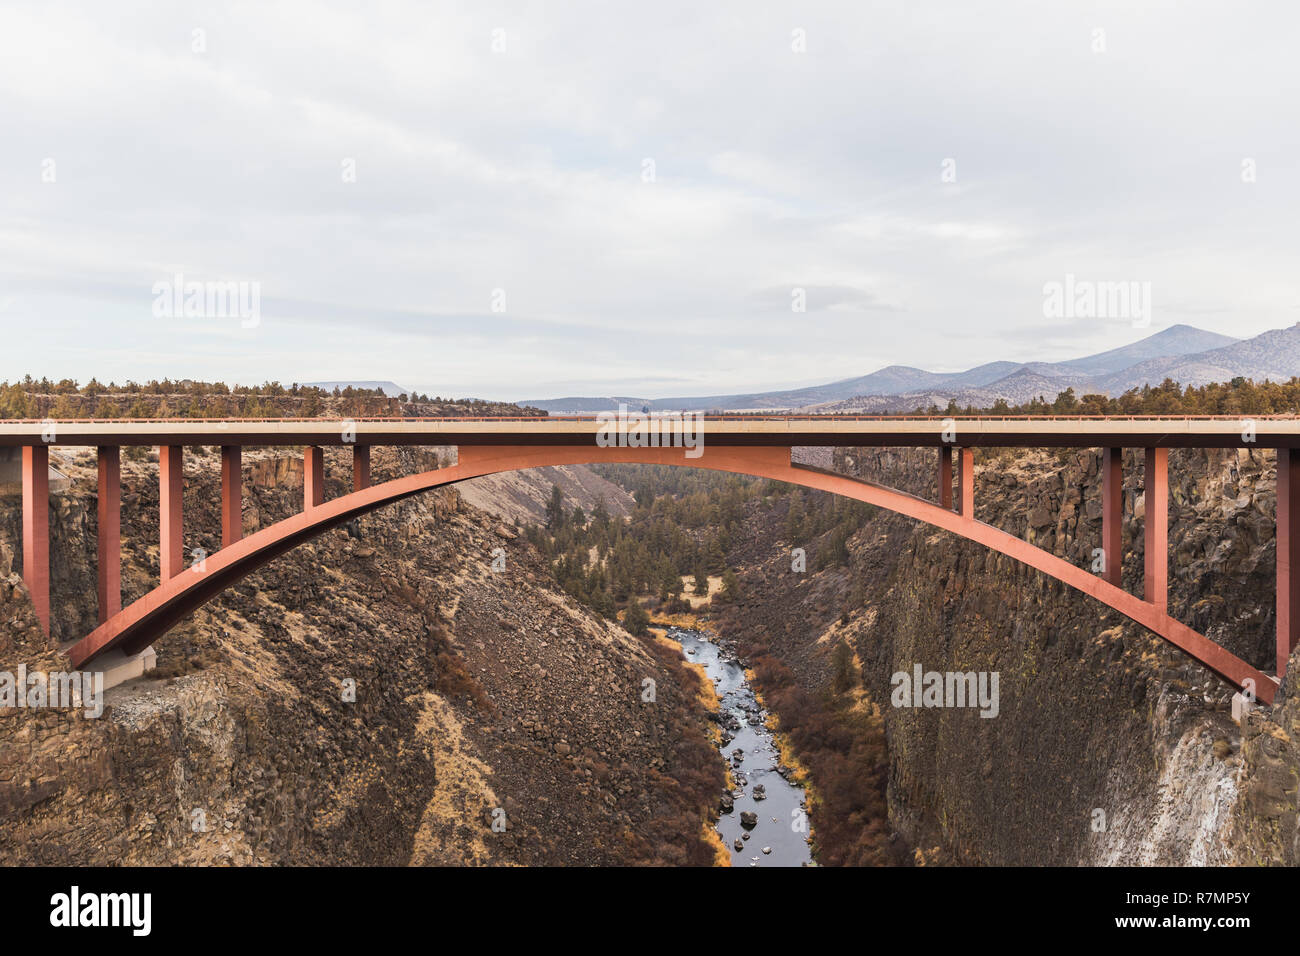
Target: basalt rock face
1265,818
1109,746
380,695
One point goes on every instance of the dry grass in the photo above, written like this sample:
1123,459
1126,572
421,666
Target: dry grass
704,690
688,621
721,856
696,600
667,642
799,775
451,831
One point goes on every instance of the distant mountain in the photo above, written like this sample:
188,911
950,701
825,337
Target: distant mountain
895,378
391,389
1013,381
892,379
1273,355
1021,385
1175,340
588,403
983,374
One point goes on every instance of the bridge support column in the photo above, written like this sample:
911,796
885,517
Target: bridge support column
360,467
1288,554
1155,582
945,477
36,530
232,495
313,477
966,482
110,531
171,486
1112,514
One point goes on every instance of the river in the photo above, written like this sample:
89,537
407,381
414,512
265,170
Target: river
748,748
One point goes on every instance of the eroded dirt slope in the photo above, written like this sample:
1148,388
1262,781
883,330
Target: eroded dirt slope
480,695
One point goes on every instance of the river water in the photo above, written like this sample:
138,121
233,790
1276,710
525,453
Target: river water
782,825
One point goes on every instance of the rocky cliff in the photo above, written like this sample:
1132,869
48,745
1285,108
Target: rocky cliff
380,695
1109,745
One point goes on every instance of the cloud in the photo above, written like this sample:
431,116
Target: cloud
817,297
520,175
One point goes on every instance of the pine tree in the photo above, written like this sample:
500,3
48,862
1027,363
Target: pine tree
600,514
701,581
555,509
635,619
670,584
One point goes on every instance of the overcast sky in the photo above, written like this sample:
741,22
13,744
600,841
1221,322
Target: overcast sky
639,186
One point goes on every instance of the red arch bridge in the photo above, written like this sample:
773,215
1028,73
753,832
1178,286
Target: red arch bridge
753,445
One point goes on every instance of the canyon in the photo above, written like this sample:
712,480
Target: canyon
1109,747
492,719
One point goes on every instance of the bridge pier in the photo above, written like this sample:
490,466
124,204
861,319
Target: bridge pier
1288,554
118,667
36,530
138,625
966,483
360,467
945,477
1112,514
232,495
109,508
1155,528
313,477
171,487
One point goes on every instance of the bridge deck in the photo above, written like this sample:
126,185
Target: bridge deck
785,430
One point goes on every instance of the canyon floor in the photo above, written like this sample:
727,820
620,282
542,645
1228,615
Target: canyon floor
392,693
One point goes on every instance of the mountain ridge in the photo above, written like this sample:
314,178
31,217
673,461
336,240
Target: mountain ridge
1273,355
1177,347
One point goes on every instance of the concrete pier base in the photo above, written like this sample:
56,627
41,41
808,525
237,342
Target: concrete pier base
119,668
1240,707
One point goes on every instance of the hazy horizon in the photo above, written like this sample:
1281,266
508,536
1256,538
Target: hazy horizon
405,387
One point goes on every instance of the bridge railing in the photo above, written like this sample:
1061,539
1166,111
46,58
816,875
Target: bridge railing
716,418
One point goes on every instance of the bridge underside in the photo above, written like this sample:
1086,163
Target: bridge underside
182,591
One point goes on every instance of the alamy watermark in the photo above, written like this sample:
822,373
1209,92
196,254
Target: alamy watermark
56,689
1086,299
625,429
946,689
75,908
175,298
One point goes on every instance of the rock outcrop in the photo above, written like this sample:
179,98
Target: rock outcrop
1109,745
380,695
